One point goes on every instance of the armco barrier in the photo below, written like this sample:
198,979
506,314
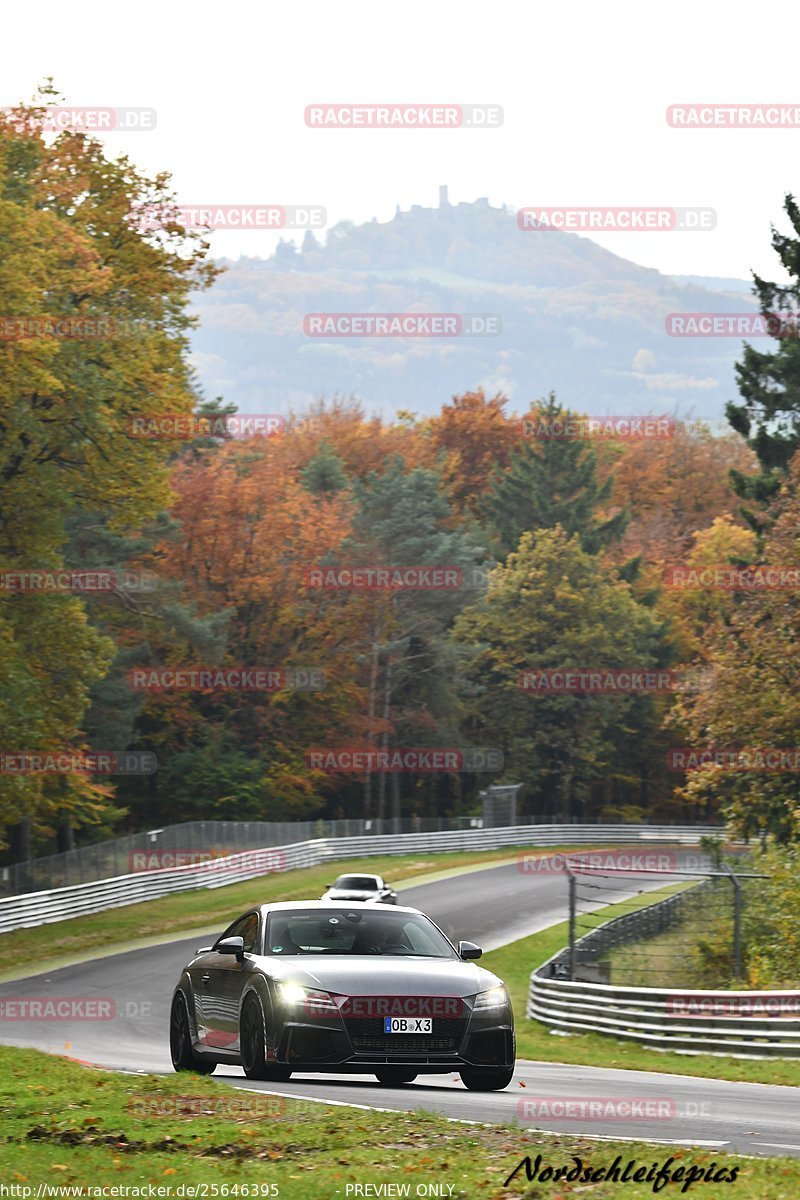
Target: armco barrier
45,907
744,1024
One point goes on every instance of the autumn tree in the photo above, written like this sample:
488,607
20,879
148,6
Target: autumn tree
552,606
674,486
474,437
251,532
95,325
749,701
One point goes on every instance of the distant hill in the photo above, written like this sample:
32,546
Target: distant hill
576,318
717,283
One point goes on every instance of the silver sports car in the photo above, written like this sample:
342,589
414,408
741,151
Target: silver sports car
304,986
371,889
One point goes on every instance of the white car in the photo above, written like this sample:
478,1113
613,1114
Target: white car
369,889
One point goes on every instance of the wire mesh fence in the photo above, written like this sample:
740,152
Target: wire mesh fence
196,841
680,919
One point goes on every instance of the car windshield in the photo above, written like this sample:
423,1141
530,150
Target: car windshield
357,883
373,932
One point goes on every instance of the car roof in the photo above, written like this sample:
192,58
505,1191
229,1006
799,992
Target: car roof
358,875
327,905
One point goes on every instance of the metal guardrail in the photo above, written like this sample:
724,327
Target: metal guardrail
46,907
193,840
744,1024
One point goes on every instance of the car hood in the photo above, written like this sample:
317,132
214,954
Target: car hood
374,975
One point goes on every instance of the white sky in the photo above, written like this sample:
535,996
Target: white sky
584,87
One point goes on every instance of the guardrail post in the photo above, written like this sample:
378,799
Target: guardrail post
737,923
572,890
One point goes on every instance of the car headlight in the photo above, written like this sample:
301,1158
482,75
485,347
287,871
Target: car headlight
496,997
314,1002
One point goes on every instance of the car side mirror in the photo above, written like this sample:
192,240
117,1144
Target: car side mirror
231,945
467,950
328,886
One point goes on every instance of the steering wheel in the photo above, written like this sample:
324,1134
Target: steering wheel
395,948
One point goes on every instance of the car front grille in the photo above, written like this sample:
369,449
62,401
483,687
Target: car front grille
406,1043
366,1033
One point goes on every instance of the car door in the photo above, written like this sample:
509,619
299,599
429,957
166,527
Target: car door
222,980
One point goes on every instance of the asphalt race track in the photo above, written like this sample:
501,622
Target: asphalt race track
491,906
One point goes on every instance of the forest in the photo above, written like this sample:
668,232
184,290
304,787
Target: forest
339,582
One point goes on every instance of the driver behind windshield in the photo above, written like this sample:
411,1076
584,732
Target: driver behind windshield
355,933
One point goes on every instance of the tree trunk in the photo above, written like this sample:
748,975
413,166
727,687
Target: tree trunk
65,834
566,795
19,844
395,796
373,685
387,695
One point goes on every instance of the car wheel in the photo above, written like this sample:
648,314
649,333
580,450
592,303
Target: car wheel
482,1079
252,1044
180,1040
395,1076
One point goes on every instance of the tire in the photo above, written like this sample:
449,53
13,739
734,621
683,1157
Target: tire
395,1076
483,1079
252,1044
180,1040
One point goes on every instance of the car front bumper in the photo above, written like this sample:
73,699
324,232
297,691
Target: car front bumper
484,1040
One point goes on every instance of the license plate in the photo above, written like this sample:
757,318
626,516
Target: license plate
408,1025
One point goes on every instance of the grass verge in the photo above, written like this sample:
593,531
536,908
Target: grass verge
514,963
71,1127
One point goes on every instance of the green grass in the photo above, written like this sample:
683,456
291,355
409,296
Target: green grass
514,963
26,951
695,955
69,1126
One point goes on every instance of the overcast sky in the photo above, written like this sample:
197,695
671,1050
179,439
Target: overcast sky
584,89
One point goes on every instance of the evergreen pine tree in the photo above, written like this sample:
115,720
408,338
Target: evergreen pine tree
768,415
551,481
